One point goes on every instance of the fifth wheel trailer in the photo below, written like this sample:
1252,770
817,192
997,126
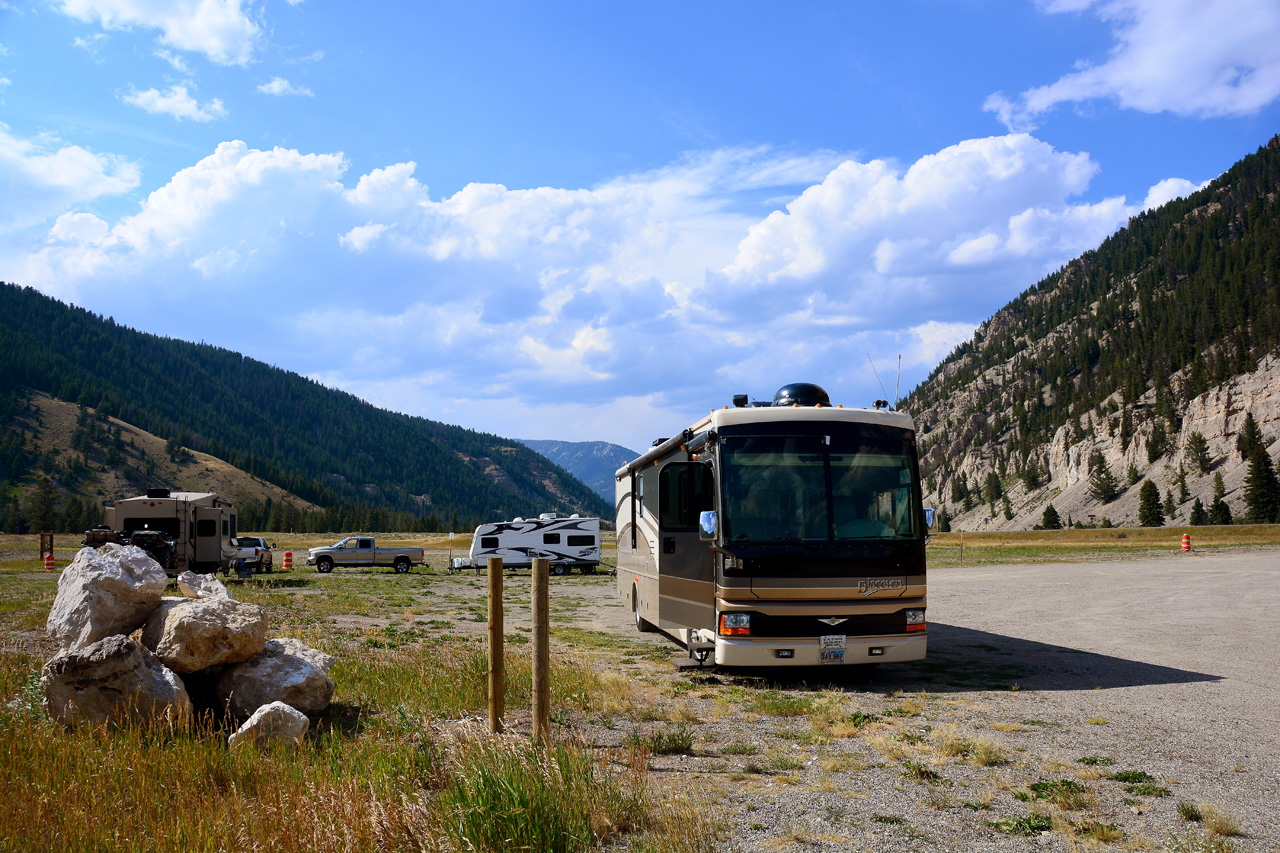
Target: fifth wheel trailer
181,530
790,533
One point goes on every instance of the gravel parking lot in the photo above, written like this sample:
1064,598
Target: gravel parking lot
1153,669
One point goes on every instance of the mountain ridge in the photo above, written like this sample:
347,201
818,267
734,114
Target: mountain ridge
1169,329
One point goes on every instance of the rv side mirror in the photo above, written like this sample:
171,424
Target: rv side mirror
930,518
707,525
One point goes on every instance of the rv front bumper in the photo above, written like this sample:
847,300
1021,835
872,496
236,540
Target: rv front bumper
807,651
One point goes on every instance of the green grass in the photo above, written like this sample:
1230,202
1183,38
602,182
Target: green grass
1031,824
671,741
777,704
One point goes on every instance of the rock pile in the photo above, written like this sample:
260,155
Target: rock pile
130,654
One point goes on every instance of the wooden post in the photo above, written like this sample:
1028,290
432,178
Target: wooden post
962,544
541,610
497,668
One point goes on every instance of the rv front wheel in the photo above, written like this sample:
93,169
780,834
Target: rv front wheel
643,625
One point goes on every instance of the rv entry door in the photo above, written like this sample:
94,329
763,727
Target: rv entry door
686,567
208,537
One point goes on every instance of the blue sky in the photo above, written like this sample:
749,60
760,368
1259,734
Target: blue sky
595,221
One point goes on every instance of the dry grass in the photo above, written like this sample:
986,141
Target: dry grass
1076,545
1218,822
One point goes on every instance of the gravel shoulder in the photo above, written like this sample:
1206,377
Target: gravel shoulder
1164,667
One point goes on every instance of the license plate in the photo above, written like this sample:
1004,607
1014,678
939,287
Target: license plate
831,641
831,656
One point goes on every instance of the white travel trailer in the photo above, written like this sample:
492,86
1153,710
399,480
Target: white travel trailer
778,534
569,543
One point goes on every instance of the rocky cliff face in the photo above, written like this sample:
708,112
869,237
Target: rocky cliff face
1218,415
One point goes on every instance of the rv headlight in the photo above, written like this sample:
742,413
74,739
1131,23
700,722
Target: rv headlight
915,619
735,624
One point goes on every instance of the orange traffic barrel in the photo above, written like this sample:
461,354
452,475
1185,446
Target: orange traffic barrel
288,562
48,562
1186,541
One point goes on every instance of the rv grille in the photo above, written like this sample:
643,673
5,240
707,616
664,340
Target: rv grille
867,625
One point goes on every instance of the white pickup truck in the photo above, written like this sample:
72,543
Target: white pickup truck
254,551
361,551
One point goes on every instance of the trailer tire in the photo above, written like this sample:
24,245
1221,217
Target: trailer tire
324,565
560,569
402,565
643,625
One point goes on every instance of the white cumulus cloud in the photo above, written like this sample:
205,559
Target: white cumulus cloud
177,102
220,29
41,177
362,236
1187,57
281,86
179,64
497,300
1169,189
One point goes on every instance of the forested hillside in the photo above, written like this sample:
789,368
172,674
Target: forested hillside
327,447
1140,361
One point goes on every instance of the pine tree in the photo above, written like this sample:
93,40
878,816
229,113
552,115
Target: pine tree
1198,450
1050,520
1219,488
1199,517
1183,492
1250,438
1169,506
1102,485
1262,488
944,521
1149,511
1132,476
1008,510
1220,513
1156,444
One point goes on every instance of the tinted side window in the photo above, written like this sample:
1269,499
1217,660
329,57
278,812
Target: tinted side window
684,491
488,541
551,539
366,543
580,541
206,527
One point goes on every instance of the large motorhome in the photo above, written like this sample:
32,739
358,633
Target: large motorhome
181,530
569,543
789,533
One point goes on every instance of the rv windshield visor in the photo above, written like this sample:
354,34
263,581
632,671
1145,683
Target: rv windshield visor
856,484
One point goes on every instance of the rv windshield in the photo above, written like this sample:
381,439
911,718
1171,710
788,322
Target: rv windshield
858,483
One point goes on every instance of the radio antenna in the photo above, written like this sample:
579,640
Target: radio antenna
897,382
877,373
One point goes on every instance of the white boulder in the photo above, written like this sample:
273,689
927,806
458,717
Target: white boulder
104,591
197,633
275,722
275,675
112,681
288,645
193,585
